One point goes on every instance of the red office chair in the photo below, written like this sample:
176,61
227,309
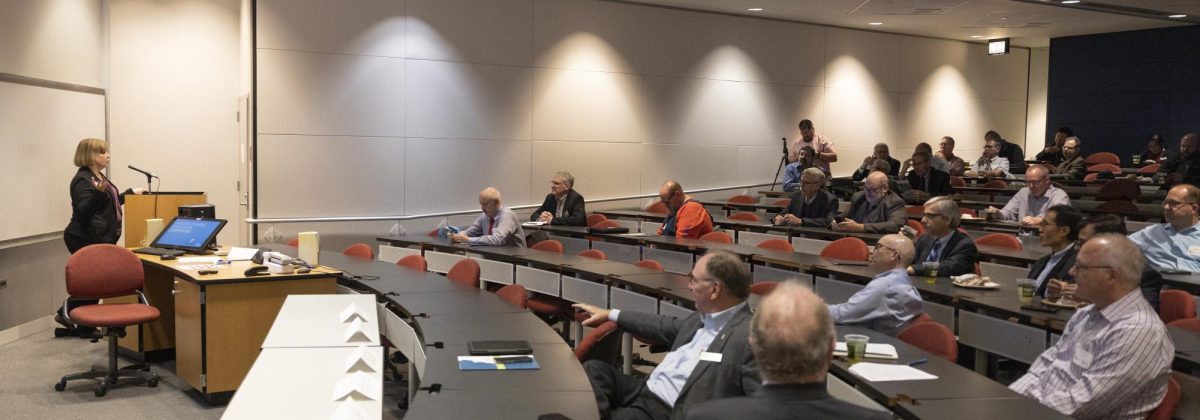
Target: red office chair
741,199
957,182
923,317
101,272
744,215
413,262
593,253
602,343
1175,305
593,219
606,224
1190,324
1149,169
1102,157
465,272
549,245
514,294
763,288
651,264
1170,402
1000,240
995,184
849,248
1119,189
1101,167
917,226
777,244
294,242
657,207
783,202
932,337
359,251
1091,177
717,236
914,210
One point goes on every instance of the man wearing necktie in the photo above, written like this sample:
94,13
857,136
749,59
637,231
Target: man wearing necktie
942,242
498,225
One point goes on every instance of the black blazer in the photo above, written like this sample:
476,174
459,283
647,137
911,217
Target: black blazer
735,376
861,173
1060,271
93,216
820,213
958,256
784,401
576,215
939,182
886,217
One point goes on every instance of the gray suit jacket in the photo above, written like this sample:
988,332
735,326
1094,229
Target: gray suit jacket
887,216
957,257
1075,168
737,373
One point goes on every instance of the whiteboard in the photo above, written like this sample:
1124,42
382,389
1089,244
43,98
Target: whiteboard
39,129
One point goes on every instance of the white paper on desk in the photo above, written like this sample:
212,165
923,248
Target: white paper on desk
353,312
364,360
879,372
356,332
197,260
533,223
874,350
238,253
348,410
357,386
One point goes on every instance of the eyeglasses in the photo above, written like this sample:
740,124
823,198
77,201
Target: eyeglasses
1174,204
878,246
930,215
696,280
811,182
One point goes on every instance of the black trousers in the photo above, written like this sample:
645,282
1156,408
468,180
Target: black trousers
623,397
74,243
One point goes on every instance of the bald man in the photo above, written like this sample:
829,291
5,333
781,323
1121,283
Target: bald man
1030,203
792,338
496,226
875,209
889,302
686,217
1114,357
1174,245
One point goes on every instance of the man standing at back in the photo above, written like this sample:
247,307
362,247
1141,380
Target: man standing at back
792,338
809,137
686,217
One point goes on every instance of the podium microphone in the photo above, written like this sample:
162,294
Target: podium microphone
148,175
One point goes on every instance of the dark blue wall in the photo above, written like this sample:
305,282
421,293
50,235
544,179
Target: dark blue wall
1116,89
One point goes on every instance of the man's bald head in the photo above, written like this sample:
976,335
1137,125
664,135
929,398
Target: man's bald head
792,335
903,247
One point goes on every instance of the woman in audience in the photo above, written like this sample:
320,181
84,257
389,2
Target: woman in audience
1156,150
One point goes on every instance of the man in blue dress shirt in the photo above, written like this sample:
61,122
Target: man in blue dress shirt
889,302
1175,245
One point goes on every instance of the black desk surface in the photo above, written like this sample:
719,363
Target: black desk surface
441,366
1185,281
607,269
980,408
468,301
461,328
503,405
1186,341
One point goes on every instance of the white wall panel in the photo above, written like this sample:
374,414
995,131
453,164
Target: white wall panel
862,60
447,175
60,40
858,118
927,64
757,164
369,27
783,52
330,94
457,100
701,111
592,35
601,169
330,176
587,105
493,32
703,166
694,44
999,76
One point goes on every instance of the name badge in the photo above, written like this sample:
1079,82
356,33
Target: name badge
1194,251
710,357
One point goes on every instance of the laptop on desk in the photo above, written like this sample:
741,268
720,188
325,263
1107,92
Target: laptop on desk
184,235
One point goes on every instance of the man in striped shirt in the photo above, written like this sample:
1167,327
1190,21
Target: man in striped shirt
1115,356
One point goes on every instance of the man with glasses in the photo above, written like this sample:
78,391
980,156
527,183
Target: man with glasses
686,217
794,170
875,209
1008,150
1175,245
871,163
1029,205
563,206
942,242
811,206
990,163
1057,231
1073,165
1097,224
889,302
926,181
498,225
823,147
1114,357
710,356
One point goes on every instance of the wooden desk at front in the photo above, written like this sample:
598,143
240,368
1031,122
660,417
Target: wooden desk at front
215,323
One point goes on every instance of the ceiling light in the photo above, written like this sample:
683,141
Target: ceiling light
875,23
998,46
755,9
1177,16
1070,1
976,36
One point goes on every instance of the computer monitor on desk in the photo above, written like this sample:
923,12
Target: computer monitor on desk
189,234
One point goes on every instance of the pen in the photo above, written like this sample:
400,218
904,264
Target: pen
918,362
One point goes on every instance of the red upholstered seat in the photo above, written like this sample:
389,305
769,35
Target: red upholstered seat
1190,324
294,242
741,199
413,262
1119,189
593,253
967,211
114,315
651,264
999,239
1170,402
549,245
957,182
717,236
851,249
1116,170
932,337
601,343
359,251
763,288
593,219
514,294
465,272
1102,157
744,215
1149,169
914,210
782,202
1175,305
657,207
606,224
777,244
995,183
917,226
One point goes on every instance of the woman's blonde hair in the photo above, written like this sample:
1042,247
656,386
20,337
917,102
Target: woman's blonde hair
87,149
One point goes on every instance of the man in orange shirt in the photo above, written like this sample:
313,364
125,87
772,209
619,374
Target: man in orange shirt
686,218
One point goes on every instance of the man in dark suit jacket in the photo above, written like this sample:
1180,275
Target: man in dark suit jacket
710,356
924,181
810,206
563,206
882,152
875,209
792,336
1058,231
942,242
1073,165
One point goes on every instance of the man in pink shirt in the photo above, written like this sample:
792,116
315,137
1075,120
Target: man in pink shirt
808,137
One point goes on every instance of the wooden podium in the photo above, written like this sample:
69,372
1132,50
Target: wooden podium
162,205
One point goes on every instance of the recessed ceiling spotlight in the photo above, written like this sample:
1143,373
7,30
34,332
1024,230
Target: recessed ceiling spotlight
755,9
875,23
976,36
1070,1
1177,16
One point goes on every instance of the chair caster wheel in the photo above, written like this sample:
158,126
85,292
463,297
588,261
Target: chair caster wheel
60,386
153,383
100,392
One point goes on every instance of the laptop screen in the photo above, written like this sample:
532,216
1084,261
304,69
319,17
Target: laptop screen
188,234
